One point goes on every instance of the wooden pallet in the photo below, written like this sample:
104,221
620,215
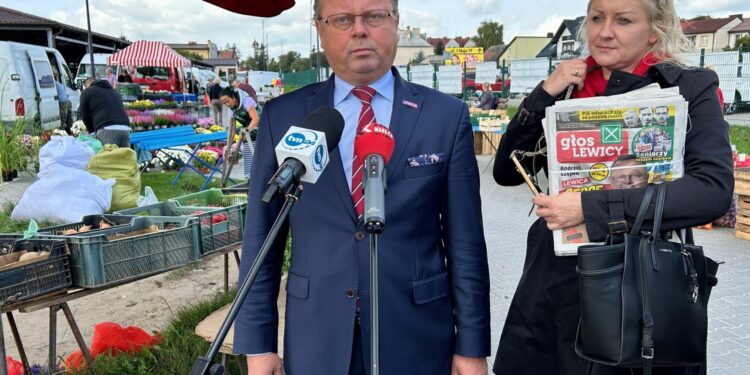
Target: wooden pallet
742,228
742,181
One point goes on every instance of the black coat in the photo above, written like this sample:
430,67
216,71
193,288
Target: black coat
101,106
540,328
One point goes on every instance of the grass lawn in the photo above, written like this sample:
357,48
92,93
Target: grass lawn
177,352
740,136
160,182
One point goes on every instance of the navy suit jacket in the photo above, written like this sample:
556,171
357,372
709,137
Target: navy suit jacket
434,279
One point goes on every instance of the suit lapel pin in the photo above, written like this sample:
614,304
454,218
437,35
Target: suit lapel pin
409,104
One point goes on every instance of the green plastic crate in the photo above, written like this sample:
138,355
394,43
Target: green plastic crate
101,258
34,279
91,220
215,235
213,197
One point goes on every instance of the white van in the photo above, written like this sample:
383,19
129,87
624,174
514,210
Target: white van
100,65
27,84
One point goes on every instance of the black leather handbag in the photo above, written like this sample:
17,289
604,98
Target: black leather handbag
643,298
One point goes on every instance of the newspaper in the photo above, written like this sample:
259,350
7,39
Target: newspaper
615,142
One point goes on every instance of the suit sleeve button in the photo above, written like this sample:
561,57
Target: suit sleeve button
350,293
359,235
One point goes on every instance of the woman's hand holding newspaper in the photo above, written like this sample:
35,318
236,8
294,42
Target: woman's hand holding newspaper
560,211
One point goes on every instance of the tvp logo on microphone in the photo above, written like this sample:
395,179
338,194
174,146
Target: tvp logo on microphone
300,140
307,146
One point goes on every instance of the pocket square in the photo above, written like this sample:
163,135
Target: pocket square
424,159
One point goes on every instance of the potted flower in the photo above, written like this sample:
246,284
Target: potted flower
206,159
11,151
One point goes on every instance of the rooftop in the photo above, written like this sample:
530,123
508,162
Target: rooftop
706,25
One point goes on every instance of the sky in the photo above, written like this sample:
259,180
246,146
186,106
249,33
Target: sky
180,21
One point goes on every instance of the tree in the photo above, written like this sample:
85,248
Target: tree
439,48
489,33
259,59
190,54
418,57
742,44
288,59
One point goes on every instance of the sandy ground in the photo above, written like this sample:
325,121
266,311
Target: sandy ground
149,303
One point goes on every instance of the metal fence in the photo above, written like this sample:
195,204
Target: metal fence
520,76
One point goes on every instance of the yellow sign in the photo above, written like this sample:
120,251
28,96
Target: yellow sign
470,55
465,51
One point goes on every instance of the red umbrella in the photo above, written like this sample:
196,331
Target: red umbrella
260,8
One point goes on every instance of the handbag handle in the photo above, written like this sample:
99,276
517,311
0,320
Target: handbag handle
649,193
661,194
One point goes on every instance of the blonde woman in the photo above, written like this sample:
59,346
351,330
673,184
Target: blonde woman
632,43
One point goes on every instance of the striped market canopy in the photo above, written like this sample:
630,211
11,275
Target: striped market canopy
148,53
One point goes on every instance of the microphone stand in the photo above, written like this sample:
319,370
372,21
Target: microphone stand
374,226
203,364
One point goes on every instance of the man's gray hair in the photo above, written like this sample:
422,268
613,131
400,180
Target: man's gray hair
316,8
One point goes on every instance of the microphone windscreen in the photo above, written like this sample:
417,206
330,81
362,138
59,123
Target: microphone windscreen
327,120
374,139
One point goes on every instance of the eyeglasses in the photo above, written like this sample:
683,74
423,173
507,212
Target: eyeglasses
344,21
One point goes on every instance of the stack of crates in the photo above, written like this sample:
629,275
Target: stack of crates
213,198
132,248
220,227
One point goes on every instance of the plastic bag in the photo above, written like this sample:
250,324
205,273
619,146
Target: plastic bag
64,151
148,198
120,164
94,143
64,195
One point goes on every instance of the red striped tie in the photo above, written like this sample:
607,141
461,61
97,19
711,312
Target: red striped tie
366,116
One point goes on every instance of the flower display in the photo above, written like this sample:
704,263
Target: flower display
205,122
216,128
202,131
173,157
209,157
78,127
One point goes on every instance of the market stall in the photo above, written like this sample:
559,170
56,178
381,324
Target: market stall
145,53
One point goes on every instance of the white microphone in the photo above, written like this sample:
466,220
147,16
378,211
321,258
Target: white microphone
303,151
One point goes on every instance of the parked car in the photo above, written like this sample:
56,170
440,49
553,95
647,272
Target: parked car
27,84
158,78
100,66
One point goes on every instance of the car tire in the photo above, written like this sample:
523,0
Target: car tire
470,91
730,108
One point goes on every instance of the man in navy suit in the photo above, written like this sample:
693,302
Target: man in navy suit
434,279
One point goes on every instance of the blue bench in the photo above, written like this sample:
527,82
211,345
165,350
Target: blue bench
156,140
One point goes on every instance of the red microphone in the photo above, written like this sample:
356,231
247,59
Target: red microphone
374,146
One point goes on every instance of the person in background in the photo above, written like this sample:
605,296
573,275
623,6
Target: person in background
66,107
214,92
246,88
245,113
434,280
103,113
110,77
124,77
487,100
632,43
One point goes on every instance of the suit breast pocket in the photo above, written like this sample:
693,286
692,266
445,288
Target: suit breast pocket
423,170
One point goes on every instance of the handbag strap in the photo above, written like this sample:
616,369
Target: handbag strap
661,195
648,194
644,252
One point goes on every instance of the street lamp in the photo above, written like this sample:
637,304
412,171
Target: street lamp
90,43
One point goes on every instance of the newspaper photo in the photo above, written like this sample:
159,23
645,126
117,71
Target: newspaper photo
616,142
